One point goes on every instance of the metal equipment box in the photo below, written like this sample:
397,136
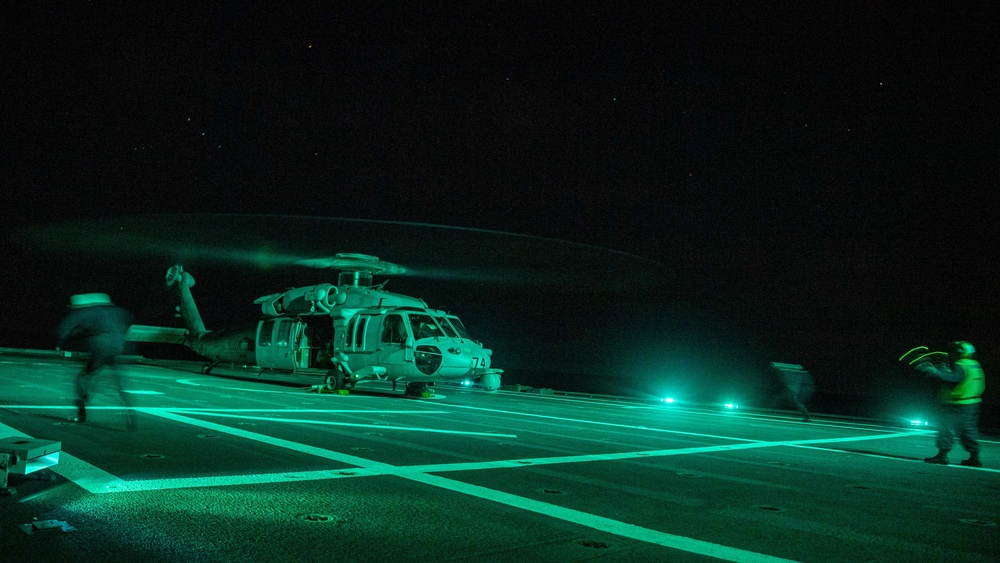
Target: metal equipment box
29,454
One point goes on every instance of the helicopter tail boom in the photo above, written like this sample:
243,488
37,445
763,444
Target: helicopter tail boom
157,334
183,281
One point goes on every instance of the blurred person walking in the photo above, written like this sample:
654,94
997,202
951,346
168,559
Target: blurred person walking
797,386
98,327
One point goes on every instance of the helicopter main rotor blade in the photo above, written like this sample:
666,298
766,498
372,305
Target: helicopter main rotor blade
417,249
96,239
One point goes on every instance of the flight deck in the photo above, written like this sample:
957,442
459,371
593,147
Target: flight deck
229,468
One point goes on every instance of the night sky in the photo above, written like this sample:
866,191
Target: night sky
819,178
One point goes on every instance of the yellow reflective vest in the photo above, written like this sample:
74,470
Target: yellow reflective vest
970,389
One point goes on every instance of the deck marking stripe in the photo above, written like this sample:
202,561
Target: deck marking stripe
210,410
232,480
100,481
416,473
599,423
356,425
384,468
200,410
511,463
96,480
599,523
91,478
893,457
263,438
113,486
62,407
613,424
581,518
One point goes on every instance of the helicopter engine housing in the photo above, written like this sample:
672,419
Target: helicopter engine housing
308,300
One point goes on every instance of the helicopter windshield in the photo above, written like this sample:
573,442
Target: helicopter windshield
424,326
459,327
446,326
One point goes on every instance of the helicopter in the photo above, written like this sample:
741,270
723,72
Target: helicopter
339,334
342,334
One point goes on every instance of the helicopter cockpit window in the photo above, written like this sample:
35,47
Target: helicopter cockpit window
424,327
449,331
455,322
393,329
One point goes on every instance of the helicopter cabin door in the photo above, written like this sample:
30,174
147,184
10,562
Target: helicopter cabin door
278,343
395,344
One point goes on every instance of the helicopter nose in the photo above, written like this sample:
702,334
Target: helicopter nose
460,359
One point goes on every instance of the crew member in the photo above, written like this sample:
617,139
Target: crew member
96,326
797,386
960,396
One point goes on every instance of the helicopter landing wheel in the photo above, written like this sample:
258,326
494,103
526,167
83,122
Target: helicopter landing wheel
490,382
416,390
335,380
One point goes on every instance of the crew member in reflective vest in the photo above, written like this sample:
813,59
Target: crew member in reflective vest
961,396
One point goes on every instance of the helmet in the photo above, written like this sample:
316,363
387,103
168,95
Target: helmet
963,349
81,300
